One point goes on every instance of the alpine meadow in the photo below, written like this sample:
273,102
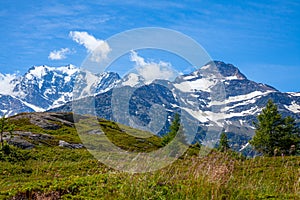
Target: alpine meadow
159,100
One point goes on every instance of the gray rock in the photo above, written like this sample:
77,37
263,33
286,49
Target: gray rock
18,138
49,121
70,146
19,142
33,136
95,132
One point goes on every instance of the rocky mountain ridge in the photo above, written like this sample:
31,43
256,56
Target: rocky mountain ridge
226,99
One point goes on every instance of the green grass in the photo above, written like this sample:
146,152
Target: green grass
51,171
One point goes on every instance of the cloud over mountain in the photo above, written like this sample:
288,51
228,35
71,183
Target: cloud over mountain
59,54
98,48
151,70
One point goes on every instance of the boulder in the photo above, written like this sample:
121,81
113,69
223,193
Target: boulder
19,142
69,145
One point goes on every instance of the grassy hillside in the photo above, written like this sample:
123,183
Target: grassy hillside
48,171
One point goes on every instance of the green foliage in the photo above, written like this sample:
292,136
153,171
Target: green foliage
13,154
224,143
52,172
216,176
174,128
274,134
193,150
123,138
175,139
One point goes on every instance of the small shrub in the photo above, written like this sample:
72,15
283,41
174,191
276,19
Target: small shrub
13,154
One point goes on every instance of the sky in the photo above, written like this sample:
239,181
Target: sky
261,38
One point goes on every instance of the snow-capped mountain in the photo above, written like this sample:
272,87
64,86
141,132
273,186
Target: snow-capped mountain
227,99
232,108
44,87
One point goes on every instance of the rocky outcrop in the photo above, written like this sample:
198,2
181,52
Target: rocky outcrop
33,136
36,136
48,121
25,139
20,142
69,145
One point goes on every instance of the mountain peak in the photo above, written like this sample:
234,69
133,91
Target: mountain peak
229,71
40,71
37,71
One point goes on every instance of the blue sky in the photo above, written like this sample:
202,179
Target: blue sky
261,38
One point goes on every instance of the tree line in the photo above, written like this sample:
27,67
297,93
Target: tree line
274,134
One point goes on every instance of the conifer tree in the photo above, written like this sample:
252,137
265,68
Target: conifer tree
224,143
173,129
273,132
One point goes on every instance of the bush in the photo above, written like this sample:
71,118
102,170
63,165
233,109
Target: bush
13,154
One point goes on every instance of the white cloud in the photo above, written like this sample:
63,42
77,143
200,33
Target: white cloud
98,48
152,70
59,54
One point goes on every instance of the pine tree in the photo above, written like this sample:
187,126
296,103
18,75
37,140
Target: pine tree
173,129
274,133
291,134
224,143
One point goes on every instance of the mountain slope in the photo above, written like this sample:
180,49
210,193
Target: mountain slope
50,171
10,105
217,95
44,87
243,100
